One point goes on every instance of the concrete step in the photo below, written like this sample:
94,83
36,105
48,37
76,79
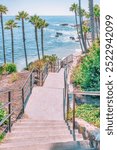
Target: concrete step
31,122
39,125
34,128
27,142
28,125
42,132
46,139
36,135
82,145
40,121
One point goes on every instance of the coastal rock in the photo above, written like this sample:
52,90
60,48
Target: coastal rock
89,132
58,34
72,38
75,25
64,24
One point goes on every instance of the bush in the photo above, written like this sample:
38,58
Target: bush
50,59
87,74
39,64
2,136
1,70
2,113
87,112
10,68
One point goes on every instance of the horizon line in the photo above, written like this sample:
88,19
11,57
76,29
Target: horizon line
41,15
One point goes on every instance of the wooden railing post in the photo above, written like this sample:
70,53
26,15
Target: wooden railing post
73,111
23,100
9,110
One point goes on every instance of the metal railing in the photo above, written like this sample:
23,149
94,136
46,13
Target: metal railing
41,75
67,60
74,95
12,101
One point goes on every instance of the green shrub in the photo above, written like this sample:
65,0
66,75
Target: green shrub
87,74
10,68
39,64
50,59
87,112
2,136
1,70
2,113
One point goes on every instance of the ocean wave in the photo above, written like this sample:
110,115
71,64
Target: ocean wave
57,24
65,40
64,32
50,30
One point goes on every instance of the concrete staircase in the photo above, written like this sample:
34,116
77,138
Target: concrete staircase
28,134
45,128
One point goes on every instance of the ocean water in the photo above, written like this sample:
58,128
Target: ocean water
61,46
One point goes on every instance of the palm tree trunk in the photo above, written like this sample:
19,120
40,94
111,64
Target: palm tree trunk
92,19
3,40
78,32
99,22
81,30
96,25
12,43
24,42
85,39
36,38
42,40
88,41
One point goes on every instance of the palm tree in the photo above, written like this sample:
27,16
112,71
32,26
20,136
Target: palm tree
80,20
86,29
83,12
3,10
9,25
92,19
44,24
23,16
74,8
97,18
35,20
87,15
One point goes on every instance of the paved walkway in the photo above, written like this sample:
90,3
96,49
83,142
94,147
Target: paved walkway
46,103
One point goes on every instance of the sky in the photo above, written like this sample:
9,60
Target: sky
42,7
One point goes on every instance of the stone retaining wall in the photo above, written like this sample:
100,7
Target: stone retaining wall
89,132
